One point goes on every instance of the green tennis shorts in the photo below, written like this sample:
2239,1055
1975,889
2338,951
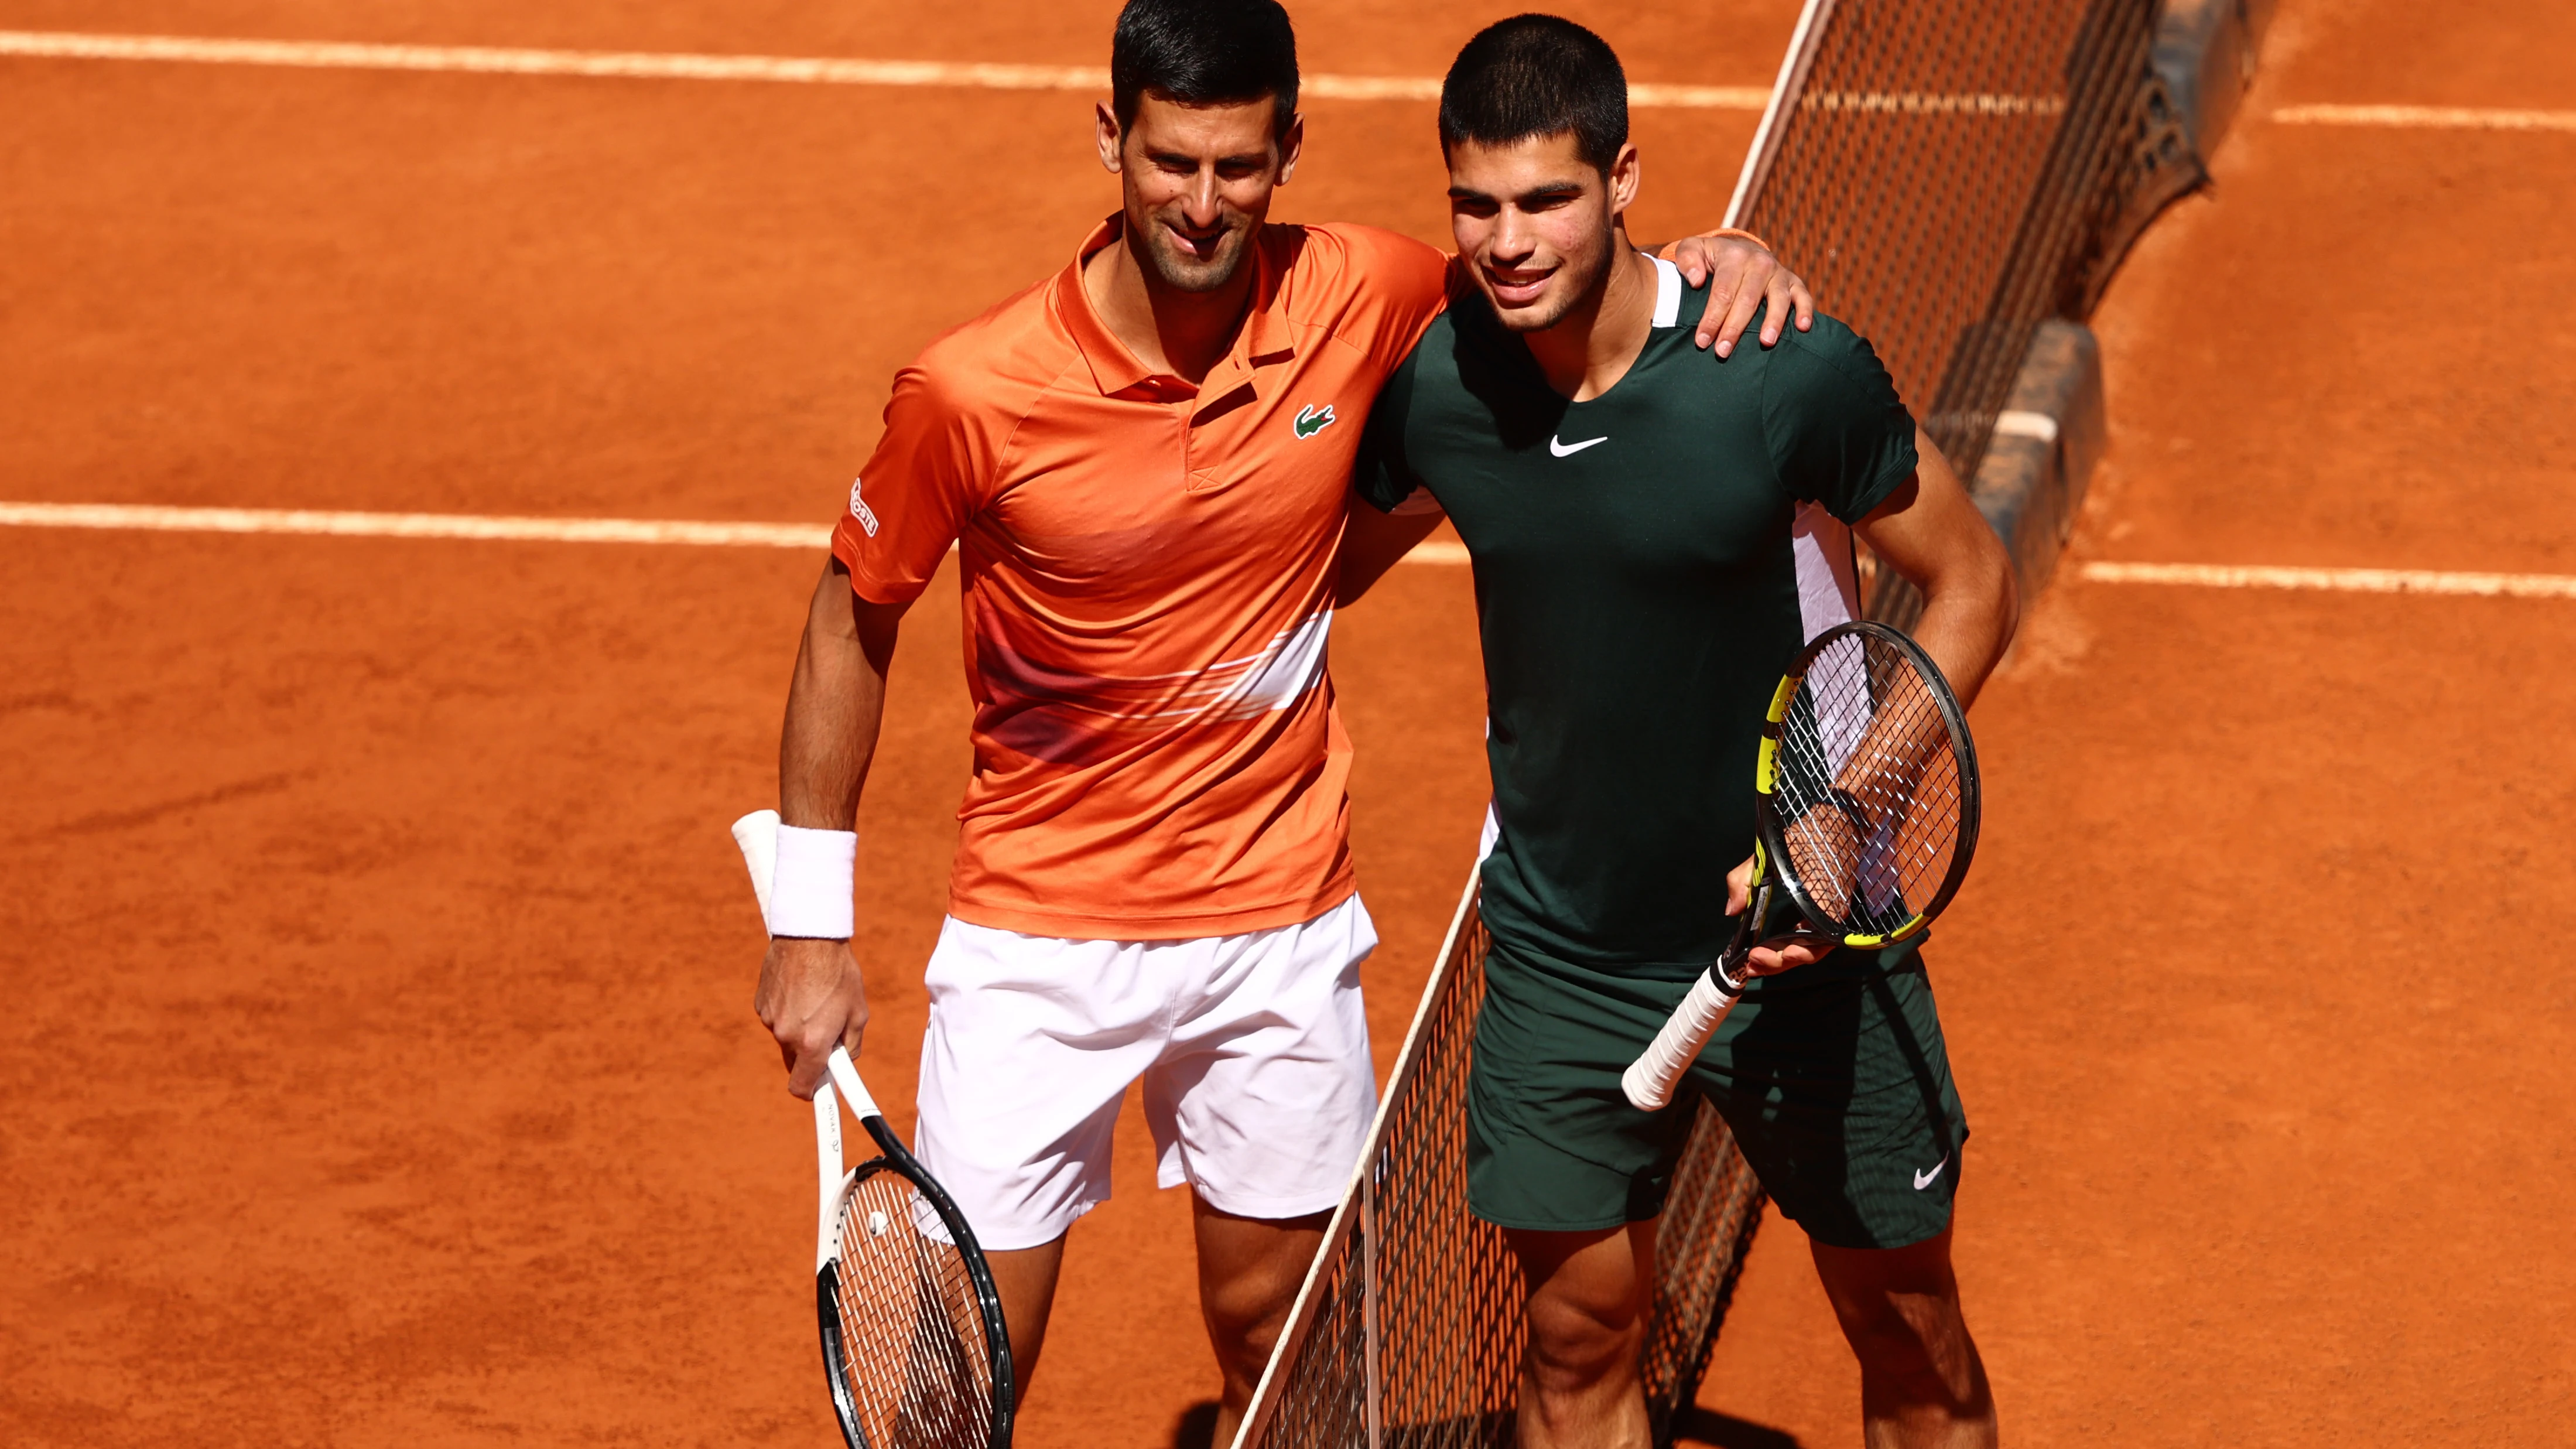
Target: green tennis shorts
1837,1087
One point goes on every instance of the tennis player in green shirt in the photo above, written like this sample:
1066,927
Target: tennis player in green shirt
1655,532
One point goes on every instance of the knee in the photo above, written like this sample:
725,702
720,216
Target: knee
1893,1334
1578,1342
1241,1313
1917,1346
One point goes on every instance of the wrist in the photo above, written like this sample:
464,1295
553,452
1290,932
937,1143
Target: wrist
817,873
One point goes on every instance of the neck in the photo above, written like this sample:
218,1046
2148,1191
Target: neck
1185,334
1591,347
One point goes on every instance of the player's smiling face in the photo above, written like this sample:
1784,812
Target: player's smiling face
1537,223
1197,183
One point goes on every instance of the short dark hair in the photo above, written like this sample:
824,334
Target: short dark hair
1537,75
1204,53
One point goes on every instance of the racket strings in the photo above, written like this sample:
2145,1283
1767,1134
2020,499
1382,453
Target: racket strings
912,1332
1866,786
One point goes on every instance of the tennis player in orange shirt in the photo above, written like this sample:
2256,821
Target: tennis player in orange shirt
1144,463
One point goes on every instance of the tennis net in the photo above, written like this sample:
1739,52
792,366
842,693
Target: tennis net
1409,1331
1948,174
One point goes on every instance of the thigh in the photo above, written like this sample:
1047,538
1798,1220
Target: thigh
1840,1096
1262,1096
1031,1044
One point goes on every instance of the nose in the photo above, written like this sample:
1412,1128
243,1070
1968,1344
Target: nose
1514,238
1199,201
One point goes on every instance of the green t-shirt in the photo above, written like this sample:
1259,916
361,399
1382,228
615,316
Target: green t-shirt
1638,598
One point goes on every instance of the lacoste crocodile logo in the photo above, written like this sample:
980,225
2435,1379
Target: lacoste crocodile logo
1313,420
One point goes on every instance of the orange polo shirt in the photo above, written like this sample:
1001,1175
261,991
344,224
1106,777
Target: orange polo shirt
1148,571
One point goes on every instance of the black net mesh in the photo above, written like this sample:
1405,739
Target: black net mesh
911,1337
1413,1334
1950,174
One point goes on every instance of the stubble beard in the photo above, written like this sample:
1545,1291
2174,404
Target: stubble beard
1183,273
1575,288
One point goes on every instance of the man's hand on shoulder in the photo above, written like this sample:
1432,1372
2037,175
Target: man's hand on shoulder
1742,275
811,998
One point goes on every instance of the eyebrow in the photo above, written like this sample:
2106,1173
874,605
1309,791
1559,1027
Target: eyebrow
1240,158
1547,191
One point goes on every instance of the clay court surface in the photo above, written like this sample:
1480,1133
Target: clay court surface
378,1063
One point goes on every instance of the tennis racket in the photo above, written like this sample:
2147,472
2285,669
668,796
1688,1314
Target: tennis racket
1865,816
913,1340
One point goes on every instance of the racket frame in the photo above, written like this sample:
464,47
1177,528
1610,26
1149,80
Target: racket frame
837,1186
1771,858
1651,1080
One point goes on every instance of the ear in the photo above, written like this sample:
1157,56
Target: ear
1104,126
1291,146
1624,179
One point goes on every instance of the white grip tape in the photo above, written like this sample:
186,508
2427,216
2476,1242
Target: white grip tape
1650,1079
827,1161
845,1075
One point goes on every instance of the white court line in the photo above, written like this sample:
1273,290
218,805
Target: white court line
165,518
2356,581
809,70
157,518
160,518
2432,117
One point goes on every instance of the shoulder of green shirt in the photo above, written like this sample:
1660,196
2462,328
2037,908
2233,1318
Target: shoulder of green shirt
1831,379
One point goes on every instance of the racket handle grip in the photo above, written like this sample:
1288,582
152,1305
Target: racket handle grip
1650,1079
845,1075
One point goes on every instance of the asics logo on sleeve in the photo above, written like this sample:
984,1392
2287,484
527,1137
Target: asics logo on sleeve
1568,450
859,510
1313,420
1923,1180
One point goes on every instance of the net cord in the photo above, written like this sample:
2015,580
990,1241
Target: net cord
1794,64
1301,1317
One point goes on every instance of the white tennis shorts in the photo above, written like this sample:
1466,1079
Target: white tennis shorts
1253,1050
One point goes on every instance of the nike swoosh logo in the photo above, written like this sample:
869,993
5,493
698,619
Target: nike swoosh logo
1923,1180
1568,450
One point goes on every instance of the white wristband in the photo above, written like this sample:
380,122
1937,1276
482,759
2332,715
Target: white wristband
810,893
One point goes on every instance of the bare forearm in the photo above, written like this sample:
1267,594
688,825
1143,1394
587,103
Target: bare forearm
834,706
1966,625
1372,543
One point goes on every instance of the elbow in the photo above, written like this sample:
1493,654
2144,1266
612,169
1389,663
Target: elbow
2007,606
